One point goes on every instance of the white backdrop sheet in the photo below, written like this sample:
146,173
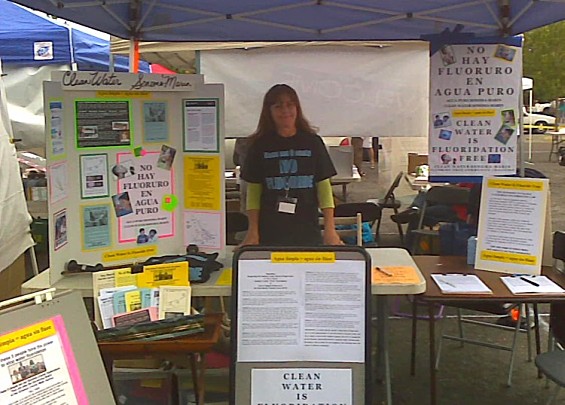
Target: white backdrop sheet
344,90
15,237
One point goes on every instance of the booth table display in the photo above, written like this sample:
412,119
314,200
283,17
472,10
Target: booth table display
379,257
191,346
450,264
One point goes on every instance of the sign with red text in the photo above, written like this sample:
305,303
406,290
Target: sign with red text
143,184
304,386
474,109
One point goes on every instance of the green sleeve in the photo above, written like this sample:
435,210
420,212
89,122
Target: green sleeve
254,196
325,195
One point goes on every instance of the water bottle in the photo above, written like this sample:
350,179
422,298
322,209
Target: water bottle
471,250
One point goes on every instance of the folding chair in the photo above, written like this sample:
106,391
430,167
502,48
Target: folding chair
390,201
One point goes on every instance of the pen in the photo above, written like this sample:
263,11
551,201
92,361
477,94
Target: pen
448,283
383,271
529,281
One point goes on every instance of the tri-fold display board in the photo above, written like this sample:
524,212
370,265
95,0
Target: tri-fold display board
135,166
301,326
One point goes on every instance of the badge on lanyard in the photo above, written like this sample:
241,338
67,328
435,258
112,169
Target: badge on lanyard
287,204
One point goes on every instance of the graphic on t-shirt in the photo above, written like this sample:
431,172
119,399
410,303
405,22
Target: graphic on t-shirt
288,169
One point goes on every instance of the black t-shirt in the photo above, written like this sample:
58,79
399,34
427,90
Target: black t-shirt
295,163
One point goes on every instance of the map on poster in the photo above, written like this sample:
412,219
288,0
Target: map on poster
37,365
203,229
474,109
146,184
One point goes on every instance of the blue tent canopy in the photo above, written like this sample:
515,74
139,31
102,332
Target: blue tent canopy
302,20
27,39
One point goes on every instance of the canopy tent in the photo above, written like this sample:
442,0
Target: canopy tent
293,20
30,39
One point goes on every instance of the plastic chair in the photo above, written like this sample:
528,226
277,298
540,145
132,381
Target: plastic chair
390,201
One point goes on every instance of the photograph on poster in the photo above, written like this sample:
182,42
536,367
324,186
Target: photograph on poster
446,159
508,118
447,55
166,157
505,52
441,120
96,226
60,221
27,368
147,237
494,158
504,134
102,123
122,204
123,170
94,176
445,134
155,127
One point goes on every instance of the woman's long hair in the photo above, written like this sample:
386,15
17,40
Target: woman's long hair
266,124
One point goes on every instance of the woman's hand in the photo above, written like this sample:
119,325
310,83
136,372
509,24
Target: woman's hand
332,238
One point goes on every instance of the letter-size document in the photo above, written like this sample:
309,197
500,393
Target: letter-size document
460,284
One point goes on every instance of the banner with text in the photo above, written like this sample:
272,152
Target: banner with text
474,109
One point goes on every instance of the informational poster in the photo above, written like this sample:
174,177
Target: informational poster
102,123
60,224
96,222
37,366
203,229
58,182
474,109
56,128
314,311
200,118
512,224
202,182
155,125
308,386
141,193
94,176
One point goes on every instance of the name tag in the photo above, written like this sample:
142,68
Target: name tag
288,205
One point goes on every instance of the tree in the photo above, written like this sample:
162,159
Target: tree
544,57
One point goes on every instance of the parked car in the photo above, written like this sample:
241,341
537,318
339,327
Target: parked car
541,121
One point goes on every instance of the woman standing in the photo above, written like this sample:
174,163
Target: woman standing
288,171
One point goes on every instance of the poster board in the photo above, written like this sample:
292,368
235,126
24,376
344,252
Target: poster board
135,166
60,343
475,91
301,330
512,225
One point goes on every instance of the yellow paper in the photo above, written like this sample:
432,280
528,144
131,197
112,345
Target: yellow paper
126,254
399,275
124,277
26,336
202,182
225,277
303,257
123,94
506,257
133,300
164,274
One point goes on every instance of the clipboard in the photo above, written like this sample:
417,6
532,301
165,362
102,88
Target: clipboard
48,350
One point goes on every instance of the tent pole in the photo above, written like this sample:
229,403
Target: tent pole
133,55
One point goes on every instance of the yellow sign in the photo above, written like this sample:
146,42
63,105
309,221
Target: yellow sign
126,254
164,274
26,336
225,277
513,184
477,112
202,182
394,275
123,94
504,257
303,257
124,277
